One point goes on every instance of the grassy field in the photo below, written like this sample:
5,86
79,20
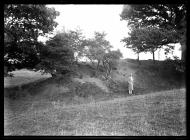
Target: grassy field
23,76
85,104
156,114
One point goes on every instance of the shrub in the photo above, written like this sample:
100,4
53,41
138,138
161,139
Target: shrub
93,74
117,87
87,89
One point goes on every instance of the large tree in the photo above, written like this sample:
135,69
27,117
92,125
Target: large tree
135,41
149,39
97,47
167,16
57,55
77,42
23,24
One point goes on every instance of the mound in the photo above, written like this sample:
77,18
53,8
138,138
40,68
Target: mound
93,80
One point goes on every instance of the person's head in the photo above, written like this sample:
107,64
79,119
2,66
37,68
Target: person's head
131,75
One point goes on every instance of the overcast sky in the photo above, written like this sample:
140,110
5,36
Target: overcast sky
100,18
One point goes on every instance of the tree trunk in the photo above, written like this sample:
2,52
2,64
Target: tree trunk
98,64
5,71
159,54
76,60
108,73
153,56
183,50
183,39
138,59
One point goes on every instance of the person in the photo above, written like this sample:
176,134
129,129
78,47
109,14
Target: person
130,84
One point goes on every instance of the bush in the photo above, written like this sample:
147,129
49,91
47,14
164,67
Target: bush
87,89
117,87
93,74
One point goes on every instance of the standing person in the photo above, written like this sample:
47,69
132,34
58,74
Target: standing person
130,84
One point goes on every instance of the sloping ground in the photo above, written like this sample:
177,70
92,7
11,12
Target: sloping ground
149,77
124,70
93,80
23,76
161,113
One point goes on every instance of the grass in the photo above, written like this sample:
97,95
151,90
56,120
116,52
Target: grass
68,107
156,114
23,76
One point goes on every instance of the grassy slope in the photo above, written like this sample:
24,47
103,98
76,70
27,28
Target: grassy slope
149,77
46,108
161,113
23,76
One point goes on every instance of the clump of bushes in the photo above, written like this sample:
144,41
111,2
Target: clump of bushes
94,74
116,86
87,89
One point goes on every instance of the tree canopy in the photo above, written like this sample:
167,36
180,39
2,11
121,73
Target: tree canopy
97,47
23,24
77,43
110,60
149,39
56,56
166,16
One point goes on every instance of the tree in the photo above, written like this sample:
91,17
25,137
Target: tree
56,56
110,61
97,47
135,41
155,38
23,24
166,16
149,39
77,43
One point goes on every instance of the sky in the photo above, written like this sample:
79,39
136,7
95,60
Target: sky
100,18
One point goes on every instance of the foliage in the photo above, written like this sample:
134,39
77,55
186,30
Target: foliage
97,47
57,57
77,43
176,64
163,15
110,61
149,39
99,50
87,89
135,40
117,86
166,16
23,24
